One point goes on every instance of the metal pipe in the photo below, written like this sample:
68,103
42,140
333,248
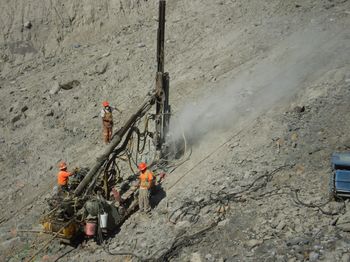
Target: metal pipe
160,38
166,108
162,94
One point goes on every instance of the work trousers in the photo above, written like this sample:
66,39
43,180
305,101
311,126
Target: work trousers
62,190
107,133
144,200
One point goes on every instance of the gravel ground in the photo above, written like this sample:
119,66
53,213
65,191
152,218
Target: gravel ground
260,88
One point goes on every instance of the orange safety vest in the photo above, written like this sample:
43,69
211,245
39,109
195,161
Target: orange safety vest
62,177
146,179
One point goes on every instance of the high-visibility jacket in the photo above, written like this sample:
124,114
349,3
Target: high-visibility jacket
146,179
62,177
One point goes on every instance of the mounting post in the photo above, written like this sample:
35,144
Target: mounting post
162,86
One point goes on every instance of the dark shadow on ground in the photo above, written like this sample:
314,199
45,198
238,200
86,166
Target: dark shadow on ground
157,194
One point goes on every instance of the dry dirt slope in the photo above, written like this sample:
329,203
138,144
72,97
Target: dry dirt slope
209,46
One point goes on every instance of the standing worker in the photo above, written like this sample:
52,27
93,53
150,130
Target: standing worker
146,181
107,121
62,176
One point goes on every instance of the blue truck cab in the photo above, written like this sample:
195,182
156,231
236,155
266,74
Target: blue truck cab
339,181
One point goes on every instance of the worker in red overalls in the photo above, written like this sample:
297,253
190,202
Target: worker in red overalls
107,121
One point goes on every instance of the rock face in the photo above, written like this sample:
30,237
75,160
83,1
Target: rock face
55,22
260,89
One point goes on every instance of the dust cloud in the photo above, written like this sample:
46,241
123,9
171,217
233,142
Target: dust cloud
258,87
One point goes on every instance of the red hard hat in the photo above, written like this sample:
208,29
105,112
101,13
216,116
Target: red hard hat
62,165
142,166
105,103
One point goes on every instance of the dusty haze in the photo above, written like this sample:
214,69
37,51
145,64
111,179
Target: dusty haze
302,57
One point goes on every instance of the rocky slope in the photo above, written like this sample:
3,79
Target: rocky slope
267,84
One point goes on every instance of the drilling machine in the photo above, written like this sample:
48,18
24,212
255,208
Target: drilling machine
101,198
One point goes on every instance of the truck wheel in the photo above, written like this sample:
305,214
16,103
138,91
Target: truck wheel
331,188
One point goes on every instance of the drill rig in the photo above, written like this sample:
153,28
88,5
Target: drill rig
101,195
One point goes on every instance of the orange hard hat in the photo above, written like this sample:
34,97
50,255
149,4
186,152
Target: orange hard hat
105,103
62,165
142,166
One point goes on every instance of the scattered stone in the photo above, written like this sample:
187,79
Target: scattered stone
254,242
141,45
267,237
222,188
55,88
16,118
299,109
106,54
140,232
313,256
334,221
56,104
50,113
281,225
23,109
318,247
297,241
101,69
209,257
199,199
70,85
27,25
246,175
294,137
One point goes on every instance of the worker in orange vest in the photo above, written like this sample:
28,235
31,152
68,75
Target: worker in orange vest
107,121
62,176
146,182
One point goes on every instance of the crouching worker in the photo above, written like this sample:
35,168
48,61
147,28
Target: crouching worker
146,182
62,177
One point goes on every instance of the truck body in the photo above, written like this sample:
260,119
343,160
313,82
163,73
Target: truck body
339,181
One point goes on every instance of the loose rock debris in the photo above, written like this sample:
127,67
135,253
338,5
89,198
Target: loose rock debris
287,225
